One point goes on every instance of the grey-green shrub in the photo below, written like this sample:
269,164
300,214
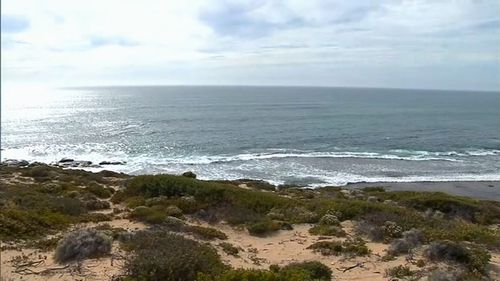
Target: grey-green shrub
82,244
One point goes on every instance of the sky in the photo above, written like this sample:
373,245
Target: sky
432,44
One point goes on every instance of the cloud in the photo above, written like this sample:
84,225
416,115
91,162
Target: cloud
243,20
386,43
99,41
14,23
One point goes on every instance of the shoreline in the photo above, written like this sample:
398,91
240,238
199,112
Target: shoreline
478,189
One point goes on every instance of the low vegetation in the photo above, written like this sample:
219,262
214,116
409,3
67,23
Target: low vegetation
41,200
229,249
400,271
473,257
350,247
304,271
82,244
159,255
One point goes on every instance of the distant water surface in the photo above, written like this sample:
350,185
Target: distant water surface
299,135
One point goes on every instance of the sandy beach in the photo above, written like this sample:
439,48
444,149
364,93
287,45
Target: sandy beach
487,190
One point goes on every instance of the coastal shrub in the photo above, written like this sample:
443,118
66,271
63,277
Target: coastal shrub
229,249
463,231
51,188
114,232
28,199
316,270
385,232
329,219
327,230
400,271
82,244
95,217
305,271
187,204
96,204
411,239
173,211
208,233
118,197
149,214
38,172
205,193
19,224
350,247
473,257
135,201
476,211
263,228
164,256
444,275
256,275
99,190
293,213
45,244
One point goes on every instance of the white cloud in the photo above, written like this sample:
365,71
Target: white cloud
337,43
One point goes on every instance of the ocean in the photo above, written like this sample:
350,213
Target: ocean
285,135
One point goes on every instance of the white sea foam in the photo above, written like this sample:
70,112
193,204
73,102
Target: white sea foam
274,165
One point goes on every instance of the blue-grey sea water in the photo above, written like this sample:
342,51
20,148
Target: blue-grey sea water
301,135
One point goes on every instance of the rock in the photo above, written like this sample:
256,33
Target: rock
74,164
66,160
112,163
372,199
189,174
16,163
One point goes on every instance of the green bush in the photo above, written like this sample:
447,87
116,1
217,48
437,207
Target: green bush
169,257
462,231
205,232
95,217
263,228
42,171
476,211
399,271
135,201
82,244
350,247
327,230
100,191
18,224
316,270
229,249
305,271
473,257
153,215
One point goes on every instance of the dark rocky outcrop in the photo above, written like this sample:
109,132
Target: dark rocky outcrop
112,163
16,163
189,174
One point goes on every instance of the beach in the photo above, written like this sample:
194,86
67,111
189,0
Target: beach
488,190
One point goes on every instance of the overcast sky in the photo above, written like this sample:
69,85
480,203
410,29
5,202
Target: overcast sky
404,44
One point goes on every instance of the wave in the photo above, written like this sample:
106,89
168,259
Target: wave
408,156
98,152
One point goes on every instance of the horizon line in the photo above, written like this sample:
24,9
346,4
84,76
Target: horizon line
276,86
